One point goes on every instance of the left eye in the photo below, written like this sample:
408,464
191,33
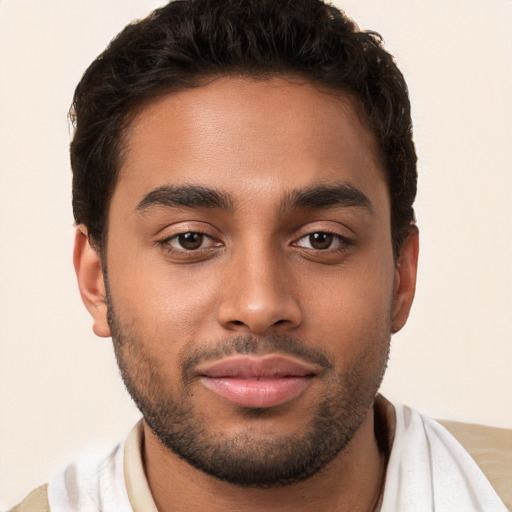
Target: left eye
321,240
190,241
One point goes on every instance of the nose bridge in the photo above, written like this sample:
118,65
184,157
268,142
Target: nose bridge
258,293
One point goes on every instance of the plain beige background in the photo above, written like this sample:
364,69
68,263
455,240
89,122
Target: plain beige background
59,387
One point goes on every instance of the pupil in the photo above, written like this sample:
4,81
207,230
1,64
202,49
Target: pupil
320,240
190,240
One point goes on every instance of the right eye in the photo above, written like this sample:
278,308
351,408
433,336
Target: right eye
190,241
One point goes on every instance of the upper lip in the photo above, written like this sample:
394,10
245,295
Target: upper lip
254,367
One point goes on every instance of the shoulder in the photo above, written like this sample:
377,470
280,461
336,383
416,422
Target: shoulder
93,482
491,449
36,501
428,466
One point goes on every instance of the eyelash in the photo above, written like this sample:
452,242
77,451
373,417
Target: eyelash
166,243
343,241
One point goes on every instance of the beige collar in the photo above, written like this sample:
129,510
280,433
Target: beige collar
135,478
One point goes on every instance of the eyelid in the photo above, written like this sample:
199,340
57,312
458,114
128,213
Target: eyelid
332,227
169,233
169,239
342,240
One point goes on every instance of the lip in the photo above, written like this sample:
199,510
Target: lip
257,382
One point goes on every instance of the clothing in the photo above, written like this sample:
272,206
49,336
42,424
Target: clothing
428,470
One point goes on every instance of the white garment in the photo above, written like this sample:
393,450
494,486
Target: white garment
93,483
428,470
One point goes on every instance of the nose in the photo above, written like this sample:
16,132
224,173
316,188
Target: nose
258,295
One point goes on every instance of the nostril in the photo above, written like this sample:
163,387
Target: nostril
257,314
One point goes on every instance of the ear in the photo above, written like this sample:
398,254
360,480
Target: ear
90,281
405,280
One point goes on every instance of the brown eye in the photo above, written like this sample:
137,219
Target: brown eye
190,244
190,241
323,241
320,241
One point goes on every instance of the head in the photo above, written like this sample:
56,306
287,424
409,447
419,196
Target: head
243,179
189,43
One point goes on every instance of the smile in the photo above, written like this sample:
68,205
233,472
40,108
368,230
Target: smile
257,382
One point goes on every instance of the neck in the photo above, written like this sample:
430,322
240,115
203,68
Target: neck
351,481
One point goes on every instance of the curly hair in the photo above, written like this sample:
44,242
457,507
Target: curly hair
189,41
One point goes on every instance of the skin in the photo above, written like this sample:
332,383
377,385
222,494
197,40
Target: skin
256,272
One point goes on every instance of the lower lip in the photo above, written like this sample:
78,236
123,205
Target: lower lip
257,393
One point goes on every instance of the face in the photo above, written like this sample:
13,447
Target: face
252,288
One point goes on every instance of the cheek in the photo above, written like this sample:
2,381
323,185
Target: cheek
352,306
162,303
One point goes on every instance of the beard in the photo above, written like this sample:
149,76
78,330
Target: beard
250,458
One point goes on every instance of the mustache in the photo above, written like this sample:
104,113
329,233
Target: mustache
250,345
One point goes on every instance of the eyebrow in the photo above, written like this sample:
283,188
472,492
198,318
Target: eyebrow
189,196
197,196
325,196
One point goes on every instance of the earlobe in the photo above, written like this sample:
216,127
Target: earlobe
405,280
89,274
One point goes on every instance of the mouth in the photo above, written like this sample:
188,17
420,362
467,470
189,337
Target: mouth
257,382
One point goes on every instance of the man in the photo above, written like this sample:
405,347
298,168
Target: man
244,175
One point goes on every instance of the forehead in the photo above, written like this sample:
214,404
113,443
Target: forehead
243,134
